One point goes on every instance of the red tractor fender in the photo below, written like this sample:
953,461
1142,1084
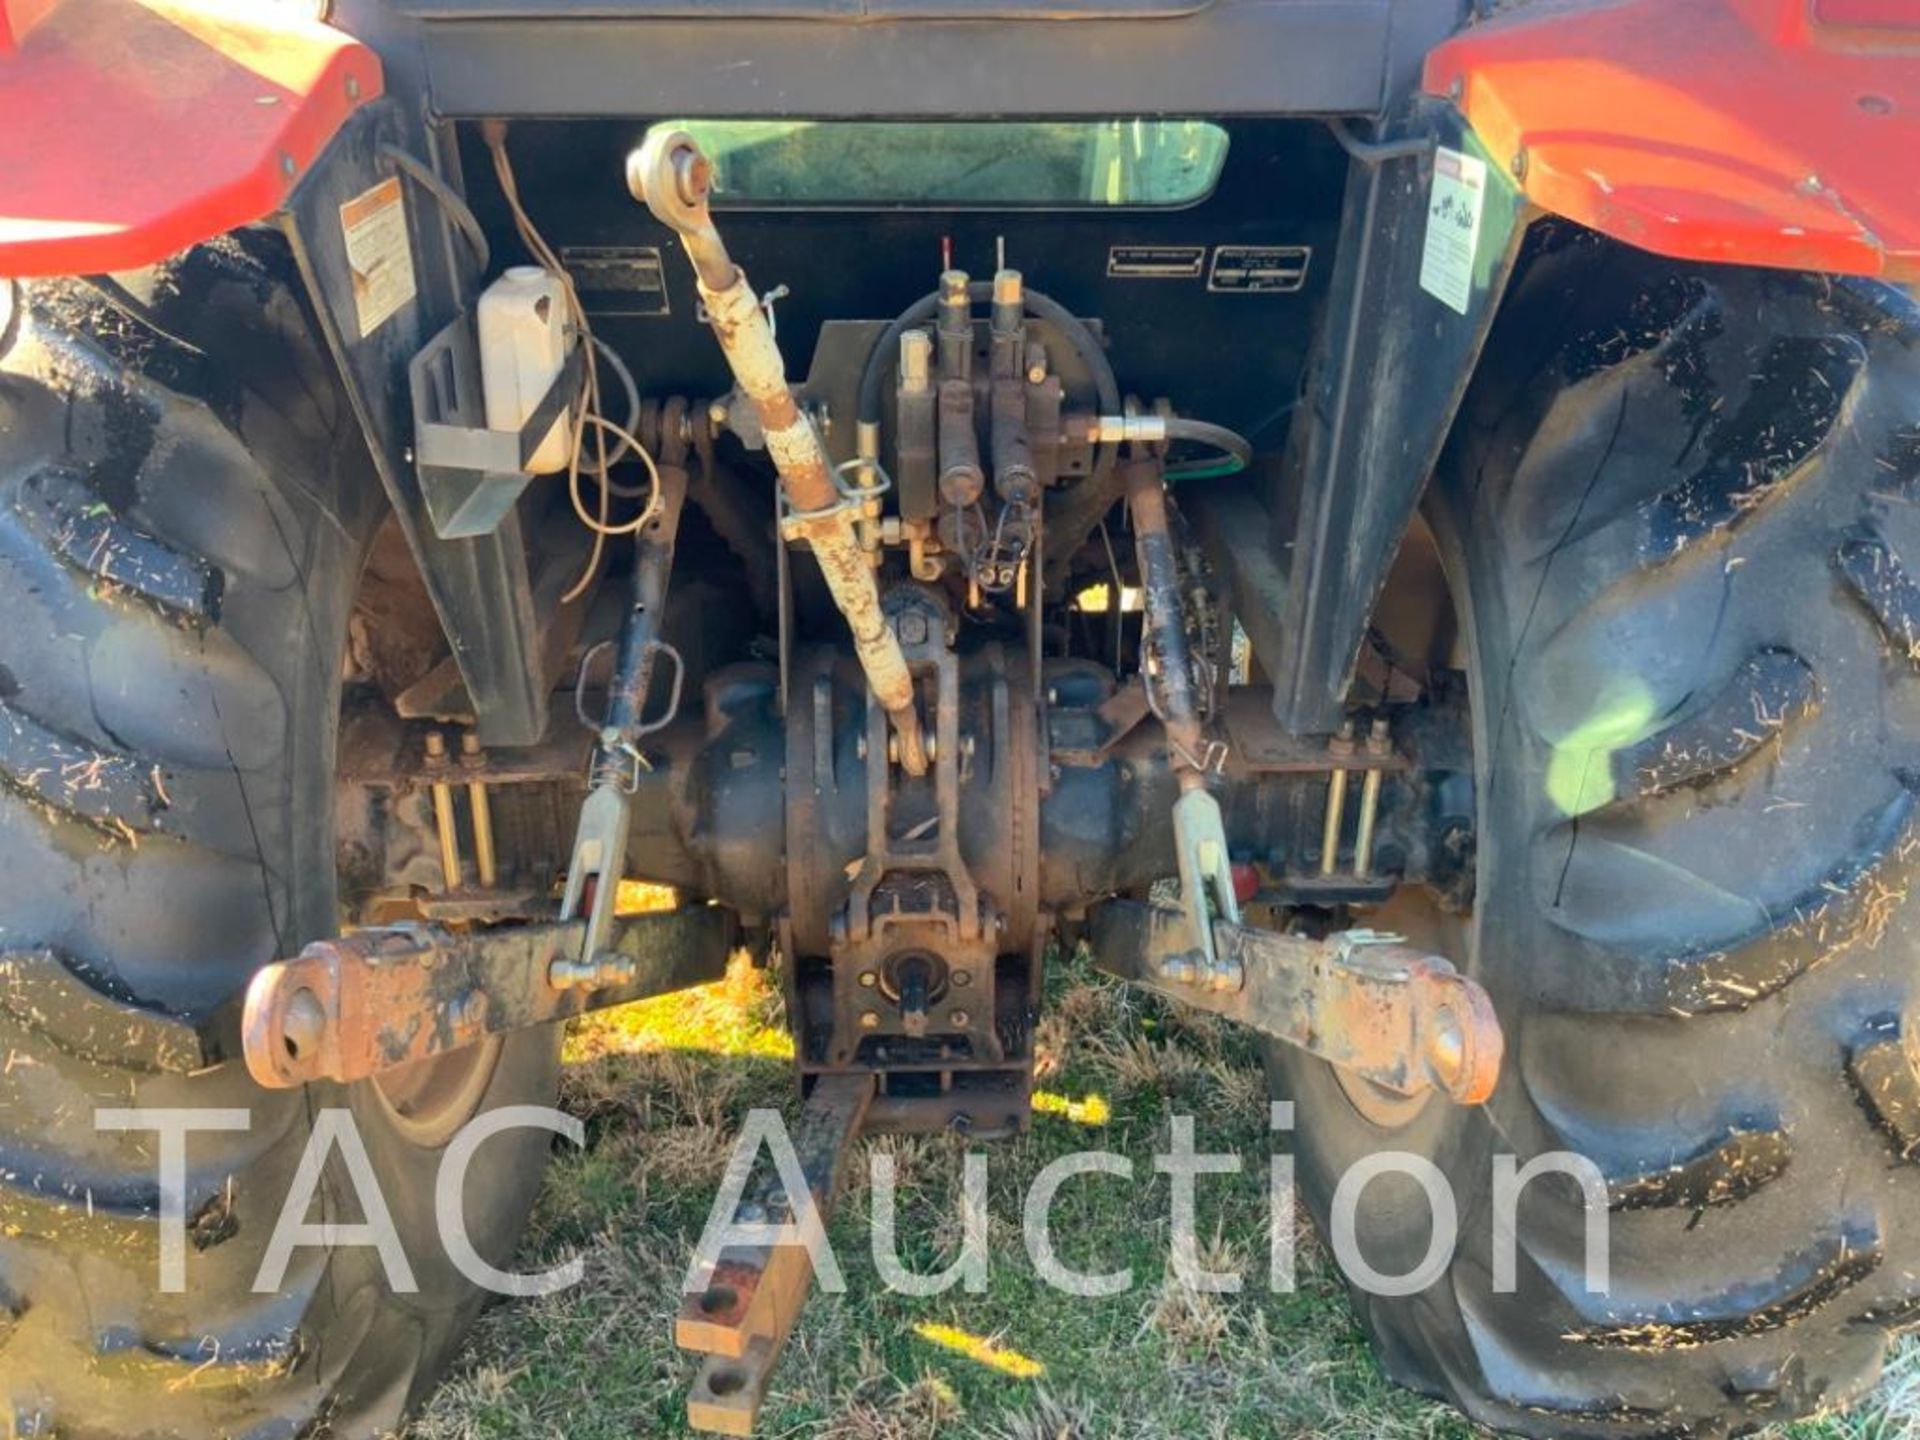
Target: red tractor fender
1772,132
1763,132
130,129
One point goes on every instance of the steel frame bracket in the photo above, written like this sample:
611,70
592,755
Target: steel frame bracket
1305,564
1362,1000
480,585
351,1007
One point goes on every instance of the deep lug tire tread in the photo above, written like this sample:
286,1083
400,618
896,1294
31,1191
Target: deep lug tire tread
184,503
1681,501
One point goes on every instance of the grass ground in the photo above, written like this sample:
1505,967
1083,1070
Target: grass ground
662,1088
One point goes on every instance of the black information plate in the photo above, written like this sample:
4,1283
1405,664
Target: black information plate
618,279
1259,269
1156,262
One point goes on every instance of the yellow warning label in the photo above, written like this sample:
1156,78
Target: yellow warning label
381,257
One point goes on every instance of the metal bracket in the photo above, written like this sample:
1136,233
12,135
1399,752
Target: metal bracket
479,586
470,476
593,876
740,1320
1362,1000
1206,879
351,1007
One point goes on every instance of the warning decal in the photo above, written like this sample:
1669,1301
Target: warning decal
1454,204
379,253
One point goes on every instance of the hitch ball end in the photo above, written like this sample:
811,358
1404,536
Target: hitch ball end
672,177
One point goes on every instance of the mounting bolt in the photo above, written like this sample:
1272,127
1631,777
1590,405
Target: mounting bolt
869,1020
962,979
436,745
959,1019
353,87
913,628
869,979
1179,969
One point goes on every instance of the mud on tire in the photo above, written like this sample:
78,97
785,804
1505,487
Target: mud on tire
185,504
1681,514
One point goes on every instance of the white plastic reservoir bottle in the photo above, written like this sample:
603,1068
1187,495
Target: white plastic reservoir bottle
523,345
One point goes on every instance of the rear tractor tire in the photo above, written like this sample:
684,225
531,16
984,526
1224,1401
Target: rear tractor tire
1681,520
185,506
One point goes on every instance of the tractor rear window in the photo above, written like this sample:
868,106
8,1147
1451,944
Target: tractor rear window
919,164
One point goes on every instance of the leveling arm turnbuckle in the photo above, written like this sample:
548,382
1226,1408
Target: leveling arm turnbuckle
1200,837
600,843
670,174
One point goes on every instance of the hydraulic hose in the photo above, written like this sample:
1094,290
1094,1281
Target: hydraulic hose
1236,451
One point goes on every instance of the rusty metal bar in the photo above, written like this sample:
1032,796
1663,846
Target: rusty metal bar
740,1320
671,175
1376,1007
351,1007
1166,626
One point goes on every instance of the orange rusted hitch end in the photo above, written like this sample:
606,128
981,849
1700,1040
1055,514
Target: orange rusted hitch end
1364,1001
372,1000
